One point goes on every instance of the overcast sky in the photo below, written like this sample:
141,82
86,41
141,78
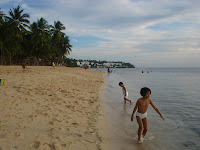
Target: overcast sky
147,33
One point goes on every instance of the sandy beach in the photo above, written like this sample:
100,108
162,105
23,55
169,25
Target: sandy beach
49,108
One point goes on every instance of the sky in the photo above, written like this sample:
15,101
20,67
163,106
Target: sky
146,33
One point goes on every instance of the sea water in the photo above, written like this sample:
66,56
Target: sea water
175,92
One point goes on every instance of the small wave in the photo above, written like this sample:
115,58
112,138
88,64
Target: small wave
189,144
151,137
196,130
110,86
146,138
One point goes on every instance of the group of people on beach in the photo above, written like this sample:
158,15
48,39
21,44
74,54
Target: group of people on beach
25,66
141,107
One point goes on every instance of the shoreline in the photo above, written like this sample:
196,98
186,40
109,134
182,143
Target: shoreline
52,108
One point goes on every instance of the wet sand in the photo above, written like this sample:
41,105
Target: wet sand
49,108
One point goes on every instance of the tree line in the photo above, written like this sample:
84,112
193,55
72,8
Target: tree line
37,42
117,64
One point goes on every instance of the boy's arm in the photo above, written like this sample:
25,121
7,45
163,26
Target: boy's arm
134,110
156,109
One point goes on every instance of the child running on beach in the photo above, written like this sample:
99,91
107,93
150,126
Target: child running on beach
125,92
141,114
53,64
24,66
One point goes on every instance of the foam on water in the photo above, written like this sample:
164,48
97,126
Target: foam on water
174,91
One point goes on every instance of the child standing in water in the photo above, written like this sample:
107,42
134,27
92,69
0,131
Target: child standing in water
141,115
125,92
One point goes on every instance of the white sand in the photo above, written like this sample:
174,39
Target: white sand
71,119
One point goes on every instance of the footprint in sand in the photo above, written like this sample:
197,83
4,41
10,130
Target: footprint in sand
2,136
67,129
79,135
35,144
50,134
51,123
17,134
52,146
60,110
75,124
63,145
63,91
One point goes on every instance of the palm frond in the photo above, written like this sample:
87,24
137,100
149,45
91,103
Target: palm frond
25,16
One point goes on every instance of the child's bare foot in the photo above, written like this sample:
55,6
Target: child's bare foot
140,140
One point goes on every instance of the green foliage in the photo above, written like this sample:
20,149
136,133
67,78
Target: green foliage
128,65
70,62
21,39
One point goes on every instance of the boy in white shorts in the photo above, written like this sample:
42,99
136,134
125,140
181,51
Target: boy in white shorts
141,115
125,92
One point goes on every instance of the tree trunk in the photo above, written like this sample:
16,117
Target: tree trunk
16,58
10,59
3,59
1,56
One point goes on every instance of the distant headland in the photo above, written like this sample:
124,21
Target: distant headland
97,63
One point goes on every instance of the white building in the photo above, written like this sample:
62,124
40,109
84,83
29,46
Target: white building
78,63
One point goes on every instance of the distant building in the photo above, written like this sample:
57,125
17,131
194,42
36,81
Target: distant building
99,65
106,64
85,63
92,63
78,63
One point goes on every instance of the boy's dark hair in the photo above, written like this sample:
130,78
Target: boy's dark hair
120,83
144,90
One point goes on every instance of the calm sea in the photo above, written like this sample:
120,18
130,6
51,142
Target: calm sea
176,93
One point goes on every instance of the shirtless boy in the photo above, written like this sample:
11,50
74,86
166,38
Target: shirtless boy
141,114
125,92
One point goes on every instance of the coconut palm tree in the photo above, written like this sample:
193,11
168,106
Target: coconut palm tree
41,38
18,40
59,42
64,48
17,23
56,31
18,20
6,39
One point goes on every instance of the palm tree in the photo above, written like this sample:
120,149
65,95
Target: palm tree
41,26
56,31
18,40
58,39
6,38
18,20
64,48
40,38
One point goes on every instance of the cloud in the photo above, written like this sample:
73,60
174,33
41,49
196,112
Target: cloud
125,28
74,40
